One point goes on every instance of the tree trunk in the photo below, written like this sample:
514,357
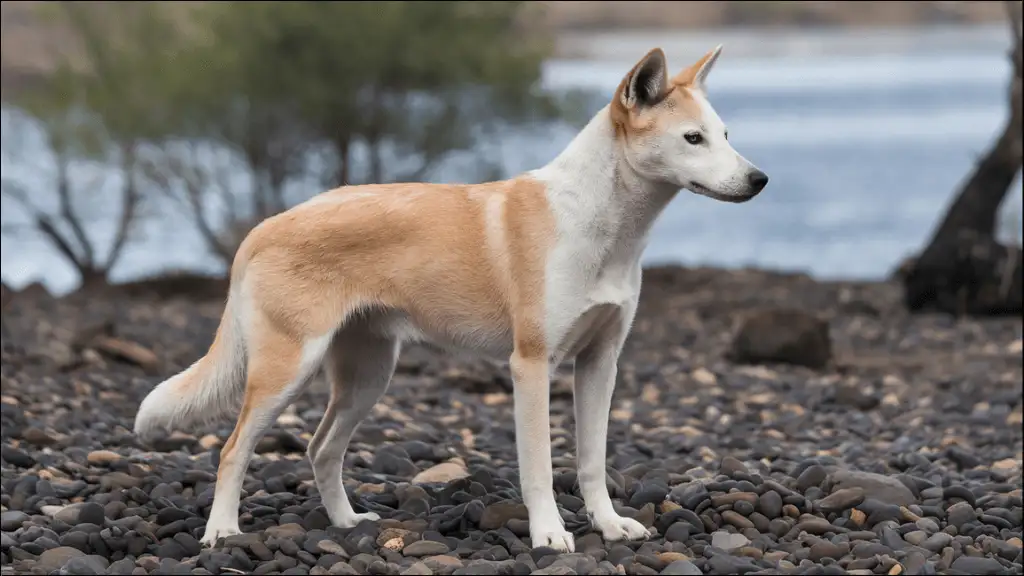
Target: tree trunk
342,145
374,138
963,269
977,205
93,279
376,165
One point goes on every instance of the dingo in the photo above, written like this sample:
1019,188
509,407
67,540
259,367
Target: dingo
538,269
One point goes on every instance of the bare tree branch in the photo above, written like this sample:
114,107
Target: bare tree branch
194,188
45,225
222,176
67,212
180,179
129,206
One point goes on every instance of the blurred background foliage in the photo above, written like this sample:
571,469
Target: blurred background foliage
224,105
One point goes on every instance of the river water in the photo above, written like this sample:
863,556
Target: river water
865,137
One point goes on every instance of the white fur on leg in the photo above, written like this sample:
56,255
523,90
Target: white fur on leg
220,526
354,519
593,384
546,529
614,528
359,366
533,445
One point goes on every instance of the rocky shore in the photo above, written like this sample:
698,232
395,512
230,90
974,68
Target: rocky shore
763,424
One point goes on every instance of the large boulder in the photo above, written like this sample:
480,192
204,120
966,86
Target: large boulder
784,336
977,276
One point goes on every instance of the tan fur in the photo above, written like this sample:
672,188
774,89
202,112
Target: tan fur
686,77
381,245
274,364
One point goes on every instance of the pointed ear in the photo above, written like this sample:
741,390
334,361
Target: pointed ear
646,84
696,75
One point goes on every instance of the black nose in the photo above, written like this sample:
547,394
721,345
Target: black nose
757,180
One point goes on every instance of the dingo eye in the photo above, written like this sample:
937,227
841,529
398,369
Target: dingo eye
694,138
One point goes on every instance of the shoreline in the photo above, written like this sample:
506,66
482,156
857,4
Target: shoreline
194,284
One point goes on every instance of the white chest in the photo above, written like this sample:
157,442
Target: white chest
584,304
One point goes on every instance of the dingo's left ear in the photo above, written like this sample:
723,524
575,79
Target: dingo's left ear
646,84
696,75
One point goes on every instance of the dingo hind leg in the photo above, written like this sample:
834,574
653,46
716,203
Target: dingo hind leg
280,367
359,365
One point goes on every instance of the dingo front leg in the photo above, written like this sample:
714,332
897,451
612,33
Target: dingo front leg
594,382
531,379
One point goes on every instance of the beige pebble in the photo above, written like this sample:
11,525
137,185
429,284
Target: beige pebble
690,432
102,457
468,439
668,506
290,421
704,376
1007,464
650,394
495,398
1015,418
209,442
443,472
908,516
795,408
370,489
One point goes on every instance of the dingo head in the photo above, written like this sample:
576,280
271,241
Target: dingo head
670,133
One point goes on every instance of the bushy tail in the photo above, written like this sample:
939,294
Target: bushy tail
205,391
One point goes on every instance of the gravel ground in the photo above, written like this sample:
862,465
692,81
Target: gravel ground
900,455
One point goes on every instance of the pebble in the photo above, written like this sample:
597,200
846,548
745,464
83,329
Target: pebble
738,520
770,504
103,457
960,514
824,549
727,541
425,548
55,558
977,565
11,520
812,476
731,466
442,473
81,513
885,489
85,565
760,468
682,568
841,500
